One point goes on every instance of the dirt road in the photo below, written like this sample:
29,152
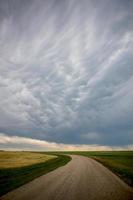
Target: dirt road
81,179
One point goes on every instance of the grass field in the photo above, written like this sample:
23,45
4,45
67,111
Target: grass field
21,159
120,162
18,168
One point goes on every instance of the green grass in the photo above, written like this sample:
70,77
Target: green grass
120,162
12,177
18,168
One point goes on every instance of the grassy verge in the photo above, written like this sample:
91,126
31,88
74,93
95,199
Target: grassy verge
120,162
13,177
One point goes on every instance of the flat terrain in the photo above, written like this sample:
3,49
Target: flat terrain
18,168
21,159
81,179
120,162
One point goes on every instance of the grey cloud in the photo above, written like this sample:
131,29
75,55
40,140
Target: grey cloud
66,70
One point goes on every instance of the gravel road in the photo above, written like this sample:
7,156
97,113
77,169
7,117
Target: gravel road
81,179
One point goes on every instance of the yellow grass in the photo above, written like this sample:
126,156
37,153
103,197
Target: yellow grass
21,159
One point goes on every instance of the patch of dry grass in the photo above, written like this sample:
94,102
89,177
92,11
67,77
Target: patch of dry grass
22,159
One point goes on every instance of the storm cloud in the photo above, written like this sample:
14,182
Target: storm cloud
66,71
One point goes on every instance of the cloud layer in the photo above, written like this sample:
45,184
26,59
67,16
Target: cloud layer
23,143
66,71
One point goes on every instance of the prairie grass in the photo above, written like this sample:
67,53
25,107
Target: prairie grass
21,159
18,168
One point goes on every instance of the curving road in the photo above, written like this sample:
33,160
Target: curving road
81,179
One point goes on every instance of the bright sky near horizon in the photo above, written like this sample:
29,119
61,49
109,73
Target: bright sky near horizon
66,74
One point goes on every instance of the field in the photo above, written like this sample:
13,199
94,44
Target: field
18,168
120,162
21,159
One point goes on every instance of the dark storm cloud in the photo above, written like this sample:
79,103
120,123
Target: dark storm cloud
66,70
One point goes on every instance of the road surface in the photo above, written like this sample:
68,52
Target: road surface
81,179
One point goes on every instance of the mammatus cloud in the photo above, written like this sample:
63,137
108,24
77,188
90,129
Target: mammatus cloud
66,71
23,143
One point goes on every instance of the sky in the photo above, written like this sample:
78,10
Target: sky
66,74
